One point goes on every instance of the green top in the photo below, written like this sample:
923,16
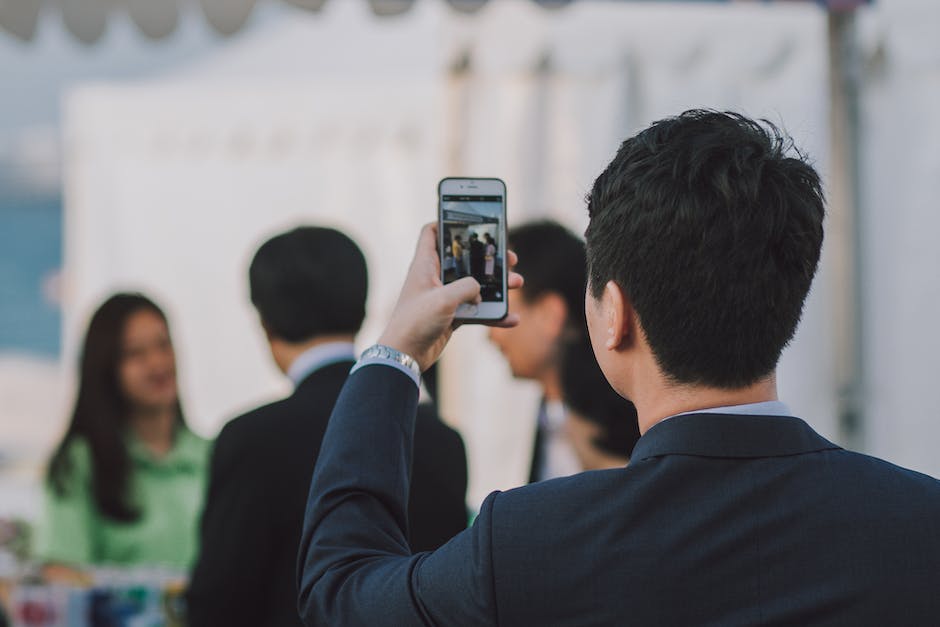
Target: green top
169,492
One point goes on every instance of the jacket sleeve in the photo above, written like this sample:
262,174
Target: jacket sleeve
234,550
355,566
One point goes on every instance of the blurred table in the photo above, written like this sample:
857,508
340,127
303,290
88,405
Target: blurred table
113,601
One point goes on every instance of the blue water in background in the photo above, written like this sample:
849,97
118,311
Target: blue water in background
30,252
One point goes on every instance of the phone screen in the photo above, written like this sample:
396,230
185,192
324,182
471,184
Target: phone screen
472,241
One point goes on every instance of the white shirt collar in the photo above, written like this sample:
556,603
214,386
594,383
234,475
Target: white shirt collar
764,408
559,458
318,357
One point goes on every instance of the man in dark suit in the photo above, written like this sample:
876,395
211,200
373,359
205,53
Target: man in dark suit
309,286
477,255
704,237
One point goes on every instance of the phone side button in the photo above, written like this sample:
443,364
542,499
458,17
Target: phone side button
467,310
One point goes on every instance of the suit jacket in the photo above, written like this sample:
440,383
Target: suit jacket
477,254
259,479
718,520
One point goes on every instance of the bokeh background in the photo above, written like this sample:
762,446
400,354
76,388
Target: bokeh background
153,145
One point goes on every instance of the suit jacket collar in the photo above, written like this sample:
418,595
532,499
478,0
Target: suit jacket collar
729,435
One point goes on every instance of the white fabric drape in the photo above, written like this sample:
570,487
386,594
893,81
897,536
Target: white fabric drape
240,146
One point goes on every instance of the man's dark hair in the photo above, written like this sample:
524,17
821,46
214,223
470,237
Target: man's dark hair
552,259
713,231
307,282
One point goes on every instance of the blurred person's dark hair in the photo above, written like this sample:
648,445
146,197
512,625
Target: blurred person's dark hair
552,259
713,231
101,410
307,282
587,393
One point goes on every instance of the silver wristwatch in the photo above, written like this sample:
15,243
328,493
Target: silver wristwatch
380,351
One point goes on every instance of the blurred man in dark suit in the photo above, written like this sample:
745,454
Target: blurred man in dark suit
477,255
309,286
551,314
705,233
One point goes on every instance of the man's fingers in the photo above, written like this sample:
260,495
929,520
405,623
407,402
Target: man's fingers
465,290
514,281
426,267
426,250
427,241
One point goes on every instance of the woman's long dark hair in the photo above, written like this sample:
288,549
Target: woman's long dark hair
102,410
587,392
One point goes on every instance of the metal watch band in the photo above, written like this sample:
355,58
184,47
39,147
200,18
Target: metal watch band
380,351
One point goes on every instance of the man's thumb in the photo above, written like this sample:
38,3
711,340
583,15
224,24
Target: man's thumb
465,290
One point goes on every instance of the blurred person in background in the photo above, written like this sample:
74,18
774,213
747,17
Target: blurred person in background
457,250
602,425
125,484
309,286
477,257
550,307
490,258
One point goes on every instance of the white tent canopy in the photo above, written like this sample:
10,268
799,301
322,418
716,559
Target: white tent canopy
87,20
172,183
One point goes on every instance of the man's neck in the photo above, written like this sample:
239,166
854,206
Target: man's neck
658,402
286,353
551,386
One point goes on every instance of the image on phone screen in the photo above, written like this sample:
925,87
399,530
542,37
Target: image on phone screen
472,242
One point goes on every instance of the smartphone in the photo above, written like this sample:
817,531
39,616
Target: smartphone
472,230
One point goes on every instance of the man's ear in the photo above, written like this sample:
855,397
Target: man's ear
619,314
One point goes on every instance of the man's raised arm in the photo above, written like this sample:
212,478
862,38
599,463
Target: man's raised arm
355,565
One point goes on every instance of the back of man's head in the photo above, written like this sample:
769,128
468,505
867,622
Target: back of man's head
552,260
713,232
309,282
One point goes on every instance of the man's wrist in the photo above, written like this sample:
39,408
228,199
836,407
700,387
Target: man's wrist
387,355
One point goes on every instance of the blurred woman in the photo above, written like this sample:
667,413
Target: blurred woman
125,485
489,255
601,424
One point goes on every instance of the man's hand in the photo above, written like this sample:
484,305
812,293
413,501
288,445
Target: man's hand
423,319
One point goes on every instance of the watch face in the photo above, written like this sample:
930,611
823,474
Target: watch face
386,352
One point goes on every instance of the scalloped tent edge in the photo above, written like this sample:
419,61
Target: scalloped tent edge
87,20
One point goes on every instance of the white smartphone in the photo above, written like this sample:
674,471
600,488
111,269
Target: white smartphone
472,230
